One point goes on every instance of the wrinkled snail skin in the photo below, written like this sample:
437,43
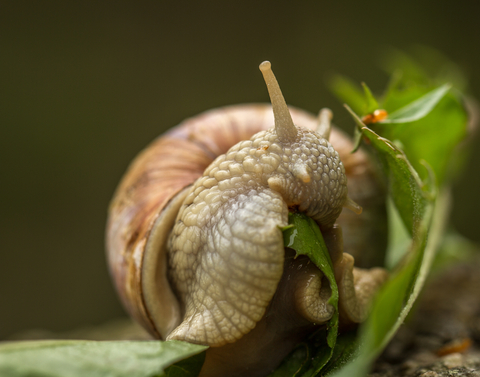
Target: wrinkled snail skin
226,249
193,241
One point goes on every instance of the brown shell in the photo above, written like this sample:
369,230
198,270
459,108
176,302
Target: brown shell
144,207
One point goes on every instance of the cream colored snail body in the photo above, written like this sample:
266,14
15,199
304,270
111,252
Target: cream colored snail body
193,235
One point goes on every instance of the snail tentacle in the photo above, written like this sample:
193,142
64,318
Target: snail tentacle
324,124
284,126
356,288
312,295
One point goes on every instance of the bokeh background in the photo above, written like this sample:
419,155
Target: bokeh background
84,87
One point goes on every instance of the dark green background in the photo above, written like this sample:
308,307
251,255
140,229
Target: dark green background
84,87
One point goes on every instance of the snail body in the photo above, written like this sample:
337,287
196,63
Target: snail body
193,236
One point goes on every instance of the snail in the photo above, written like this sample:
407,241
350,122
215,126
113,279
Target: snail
194,242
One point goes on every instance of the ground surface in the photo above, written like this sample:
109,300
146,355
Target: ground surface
442,337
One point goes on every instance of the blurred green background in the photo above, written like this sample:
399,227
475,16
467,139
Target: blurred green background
84,87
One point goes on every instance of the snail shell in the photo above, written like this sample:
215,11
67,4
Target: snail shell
159,182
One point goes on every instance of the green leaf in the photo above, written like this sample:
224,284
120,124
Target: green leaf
397,297
90,358
358,134
306,239
372,103
404,185
454,249
189,367
399,239
433,138
418,108
357,139
424,65
295,364
344,352
418,209
348,92
440,67
415,148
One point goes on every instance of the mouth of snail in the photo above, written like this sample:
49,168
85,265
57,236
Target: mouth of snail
294,208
